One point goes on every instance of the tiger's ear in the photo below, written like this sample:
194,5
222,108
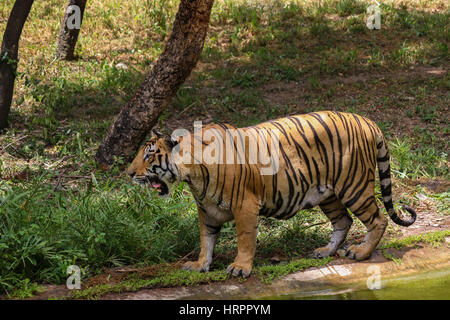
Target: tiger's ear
157,133
170,142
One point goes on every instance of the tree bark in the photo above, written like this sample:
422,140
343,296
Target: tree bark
179,57
9,53
68,34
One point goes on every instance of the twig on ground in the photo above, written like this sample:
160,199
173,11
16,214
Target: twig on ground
10,144
187,108
187,255
315,224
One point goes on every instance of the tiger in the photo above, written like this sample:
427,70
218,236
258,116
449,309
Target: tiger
326,159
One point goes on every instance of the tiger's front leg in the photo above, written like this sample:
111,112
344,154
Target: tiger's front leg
246,227
208,236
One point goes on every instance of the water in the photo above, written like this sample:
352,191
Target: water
426,286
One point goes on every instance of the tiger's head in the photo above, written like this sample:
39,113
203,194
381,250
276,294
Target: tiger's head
152,165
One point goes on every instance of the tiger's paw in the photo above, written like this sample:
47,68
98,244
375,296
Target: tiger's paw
199,266
322,252
358,252
237,269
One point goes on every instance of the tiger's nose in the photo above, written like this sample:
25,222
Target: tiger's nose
131,173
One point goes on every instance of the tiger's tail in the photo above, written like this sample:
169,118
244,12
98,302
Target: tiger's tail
384,171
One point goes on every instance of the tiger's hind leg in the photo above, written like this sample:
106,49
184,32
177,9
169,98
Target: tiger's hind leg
375,222
341,221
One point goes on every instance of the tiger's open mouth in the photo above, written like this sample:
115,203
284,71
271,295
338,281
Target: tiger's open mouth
157,184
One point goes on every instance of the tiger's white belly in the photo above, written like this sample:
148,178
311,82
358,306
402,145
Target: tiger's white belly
219,214
313,197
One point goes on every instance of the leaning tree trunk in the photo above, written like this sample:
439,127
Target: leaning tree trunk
180,56
70,29
9,53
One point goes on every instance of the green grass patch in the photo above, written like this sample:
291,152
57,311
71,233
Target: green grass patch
165,279
349,7
414,159
102,226
432,238
391,257
179,278
270,272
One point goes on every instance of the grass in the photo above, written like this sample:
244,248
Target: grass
177,278
431,238
420,161
265,273
166,279
270,272
102,226
261,60
434,239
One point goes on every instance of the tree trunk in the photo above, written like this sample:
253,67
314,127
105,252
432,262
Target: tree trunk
70,29
180,56
9,56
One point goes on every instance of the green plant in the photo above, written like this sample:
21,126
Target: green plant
434,238
100,227
270,272
411,161
349,7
